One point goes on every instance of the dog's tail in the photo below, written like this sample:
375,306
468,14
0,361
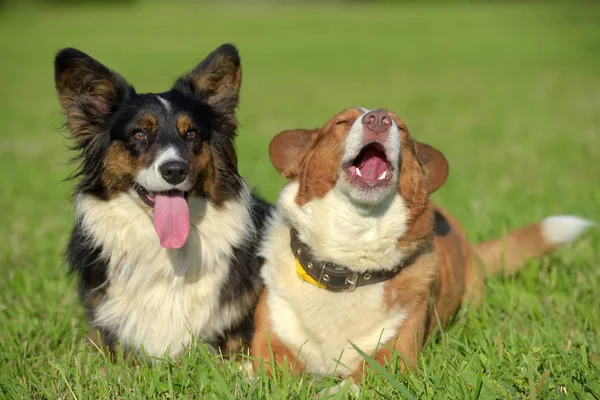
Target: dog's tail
506,255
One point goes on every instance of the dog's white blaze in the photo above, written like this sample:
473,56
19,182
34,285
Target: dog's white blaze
317,323
159,298
150,178
354,142
165,103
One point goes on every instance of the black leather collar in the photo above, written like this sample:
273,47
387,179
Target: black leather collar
336,277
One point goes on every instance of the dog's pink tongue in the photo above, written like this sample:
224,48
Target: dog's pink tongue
171,219
372,164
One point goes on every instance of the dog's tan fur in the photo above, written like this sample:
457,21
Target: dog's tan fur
302,326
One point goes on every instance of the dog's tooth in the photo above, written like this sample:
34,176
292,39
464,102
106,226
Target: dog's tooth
358,172
382,176
150,193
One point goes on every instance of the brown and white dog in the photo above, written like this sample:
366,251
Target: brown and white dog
358,254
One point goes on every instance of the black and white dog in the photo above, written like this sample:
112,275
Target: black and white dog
166,230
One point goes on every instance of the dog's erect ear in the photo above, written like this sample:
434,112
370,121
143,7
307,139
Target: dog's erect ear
216,80
435,165
288,149
88,93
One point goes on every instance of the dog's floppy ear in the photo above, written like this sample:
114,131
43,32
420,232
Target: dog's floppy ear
216,80
288,148
435,165
88,93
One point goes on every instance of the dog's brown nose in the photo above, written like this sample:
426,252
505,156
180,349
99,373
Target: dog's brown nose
377,120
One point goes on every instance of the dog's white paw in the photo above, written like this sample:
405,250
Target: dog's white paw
245,367
348,386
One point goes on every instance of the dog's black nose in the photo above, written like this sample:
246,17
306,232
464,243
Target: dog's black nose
174,172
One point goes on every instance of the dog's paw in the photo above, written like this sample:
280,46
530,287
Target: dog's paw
245,368
348,387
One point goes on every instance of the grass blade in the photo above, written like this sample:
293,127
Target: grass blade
384,372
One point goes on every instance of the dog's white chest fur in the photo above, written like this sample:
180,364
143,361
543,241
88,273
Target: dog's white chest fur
318,324
160,299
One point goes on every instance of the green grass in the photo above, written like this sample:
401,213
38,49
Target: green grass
509,92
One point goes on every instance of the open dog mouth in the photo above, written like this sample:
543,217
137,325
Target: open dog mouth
149,197
171,215
371,167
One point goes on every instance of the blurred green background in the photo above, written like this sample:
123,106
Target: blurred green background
509,91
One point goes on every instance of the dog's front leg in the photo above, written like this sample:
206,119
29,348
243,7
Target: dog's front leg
267,347
407,343
109,345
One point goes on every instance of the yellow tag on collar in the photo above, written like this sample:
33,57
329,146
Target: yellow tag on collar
302,274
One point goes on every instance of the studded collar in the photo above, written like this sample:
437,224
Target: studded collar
336,277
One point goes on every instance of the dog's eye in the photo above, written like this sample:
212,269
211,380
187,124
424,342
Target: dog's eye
140,135
343,122
191,135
